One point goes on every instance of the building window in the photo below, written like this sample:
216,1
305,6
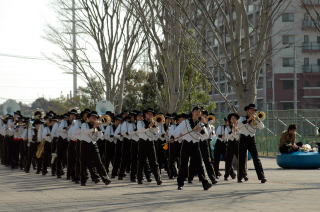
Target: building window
287,39
306,61
287,105
287,62
269,84
307,84
287,17
306,39
318,39
318,62
287,84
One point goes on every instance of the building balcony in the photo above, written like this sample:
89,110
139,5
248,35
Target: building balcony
309,24
311,68
311,3
310,47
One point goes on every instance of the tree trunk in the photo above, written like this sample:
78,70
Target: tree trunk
246,95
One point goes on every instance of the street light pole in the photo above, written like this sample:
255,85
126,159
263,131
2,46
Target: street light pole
295,84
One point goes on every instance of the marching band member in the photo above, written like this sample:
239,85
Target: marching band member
118,149
89,152
32,145
146,149
2,140
219,147
134,138
248,126
47,139
111,142
126,145
62,144
191,130
232,137
73,134
173,153
205,147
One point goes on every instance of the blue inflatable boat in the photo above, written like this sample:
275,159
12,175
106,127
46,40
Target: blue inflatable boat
299,160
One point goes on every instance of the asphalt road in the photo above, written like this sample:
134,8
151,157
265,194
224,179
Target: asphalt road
286,190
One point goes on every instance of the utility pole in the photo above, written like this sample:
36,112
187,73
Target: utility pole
74,49
295,83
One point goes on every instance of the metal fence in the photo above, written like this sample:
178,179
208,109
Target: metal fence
277,121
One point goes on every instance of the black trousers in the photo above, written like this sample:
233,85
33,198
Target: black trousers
219,149
22,153
173,158
14,146
90,156
160,152
101,147
109,154
232,151
77,161
59,145
205,152
146,151
117,158
2,149
46,158
190,150
31,156
71,171
248,143
125,156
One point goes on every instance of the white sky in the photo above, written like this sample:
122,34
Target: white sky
22,27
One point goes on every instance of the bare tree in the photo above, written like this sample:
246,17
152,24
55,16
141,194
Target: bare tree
111,44
168,51
235,36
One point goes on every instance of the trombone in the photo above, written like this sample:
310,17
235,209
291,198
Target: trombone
258,116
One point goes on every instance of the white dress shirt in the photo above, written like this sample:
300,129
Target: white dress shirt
90,135
46,134
184,128
248,129
147,133
231,136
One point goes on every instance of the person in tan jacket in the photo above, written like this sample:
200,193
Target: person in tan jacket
287,142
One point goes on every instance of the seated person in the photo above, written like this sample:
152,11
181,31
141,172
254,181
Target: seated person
287,141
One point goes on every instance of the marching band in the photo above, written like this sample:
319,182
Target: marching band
132,144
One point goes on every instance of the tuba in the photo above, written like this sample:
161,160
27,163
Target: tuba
10,106
103,106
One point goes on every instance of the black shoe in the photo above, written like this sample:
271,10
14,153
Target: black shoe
96,181
225,179
58,176
38,172
233,176
264,180
246,178
76,182
107,182
133,180
159,182
44,173
207,186
240,181
140,182
113,176
190,181
83,184
218,174
27,171
214,181
149,180
120,178
68,177
53,174
179,188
